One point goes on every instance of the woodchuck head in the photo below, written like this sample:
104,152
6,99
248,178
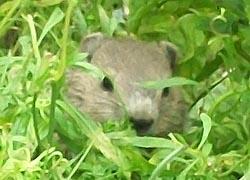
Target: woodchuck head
127,63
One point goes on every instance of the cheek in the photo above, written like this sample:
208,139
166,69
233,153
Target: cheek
86,94
172,114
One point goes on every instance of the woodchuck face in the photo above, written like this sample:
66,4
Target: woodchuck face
128,63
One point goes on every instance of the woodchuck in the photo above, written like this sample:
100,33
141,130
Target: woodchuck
126,63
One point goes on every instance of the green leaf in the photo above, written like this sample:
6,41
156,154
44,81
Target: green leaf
174,81
105,21
91,69
139,9
207,124
193,36
215,44
54,19
150,142
81,22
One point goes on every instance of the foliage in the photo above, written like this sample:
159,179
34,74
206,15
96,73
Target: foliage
39,41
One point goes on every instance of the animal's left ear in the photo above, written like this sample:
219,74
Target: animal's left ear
91,43
171,52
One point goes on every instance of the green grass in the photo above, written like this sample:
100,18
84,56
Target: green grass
43,136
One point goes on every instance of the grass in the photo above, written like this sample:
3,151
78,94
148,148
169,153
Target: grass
43,136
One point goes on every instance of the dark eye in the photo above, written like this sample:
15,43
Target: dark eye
107,84
165,92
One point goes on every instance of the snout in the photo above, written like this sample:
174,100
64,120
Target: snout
142,126
143,110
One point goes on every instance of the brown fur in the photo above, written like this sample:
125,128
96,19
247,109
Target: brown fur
127,63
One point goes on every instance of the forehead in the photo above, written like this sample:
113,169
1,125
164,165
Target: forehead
138,61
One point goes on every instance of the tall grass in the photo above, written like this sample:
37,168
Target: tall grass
43,136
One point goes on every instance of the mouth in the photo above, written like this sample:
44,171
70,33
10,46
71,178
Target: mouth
141,126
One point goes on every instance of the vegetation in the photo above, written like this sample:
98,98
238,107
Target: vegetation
43,136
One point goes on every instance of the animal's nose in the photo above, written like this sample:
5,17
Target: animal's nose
142,126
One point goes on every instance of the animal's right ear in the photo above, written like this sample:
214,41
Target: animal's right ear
171,52
91,43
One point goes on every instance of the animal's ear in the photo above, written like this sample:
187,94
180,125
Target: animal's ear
91,43
171,52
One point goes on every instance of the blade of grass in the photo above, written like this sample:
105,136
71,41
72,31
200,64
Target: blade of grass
183,174
157,171
37,55
45,3
35,122
80,161
8,16
54,96
63,55
235,166
91,130
56,83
